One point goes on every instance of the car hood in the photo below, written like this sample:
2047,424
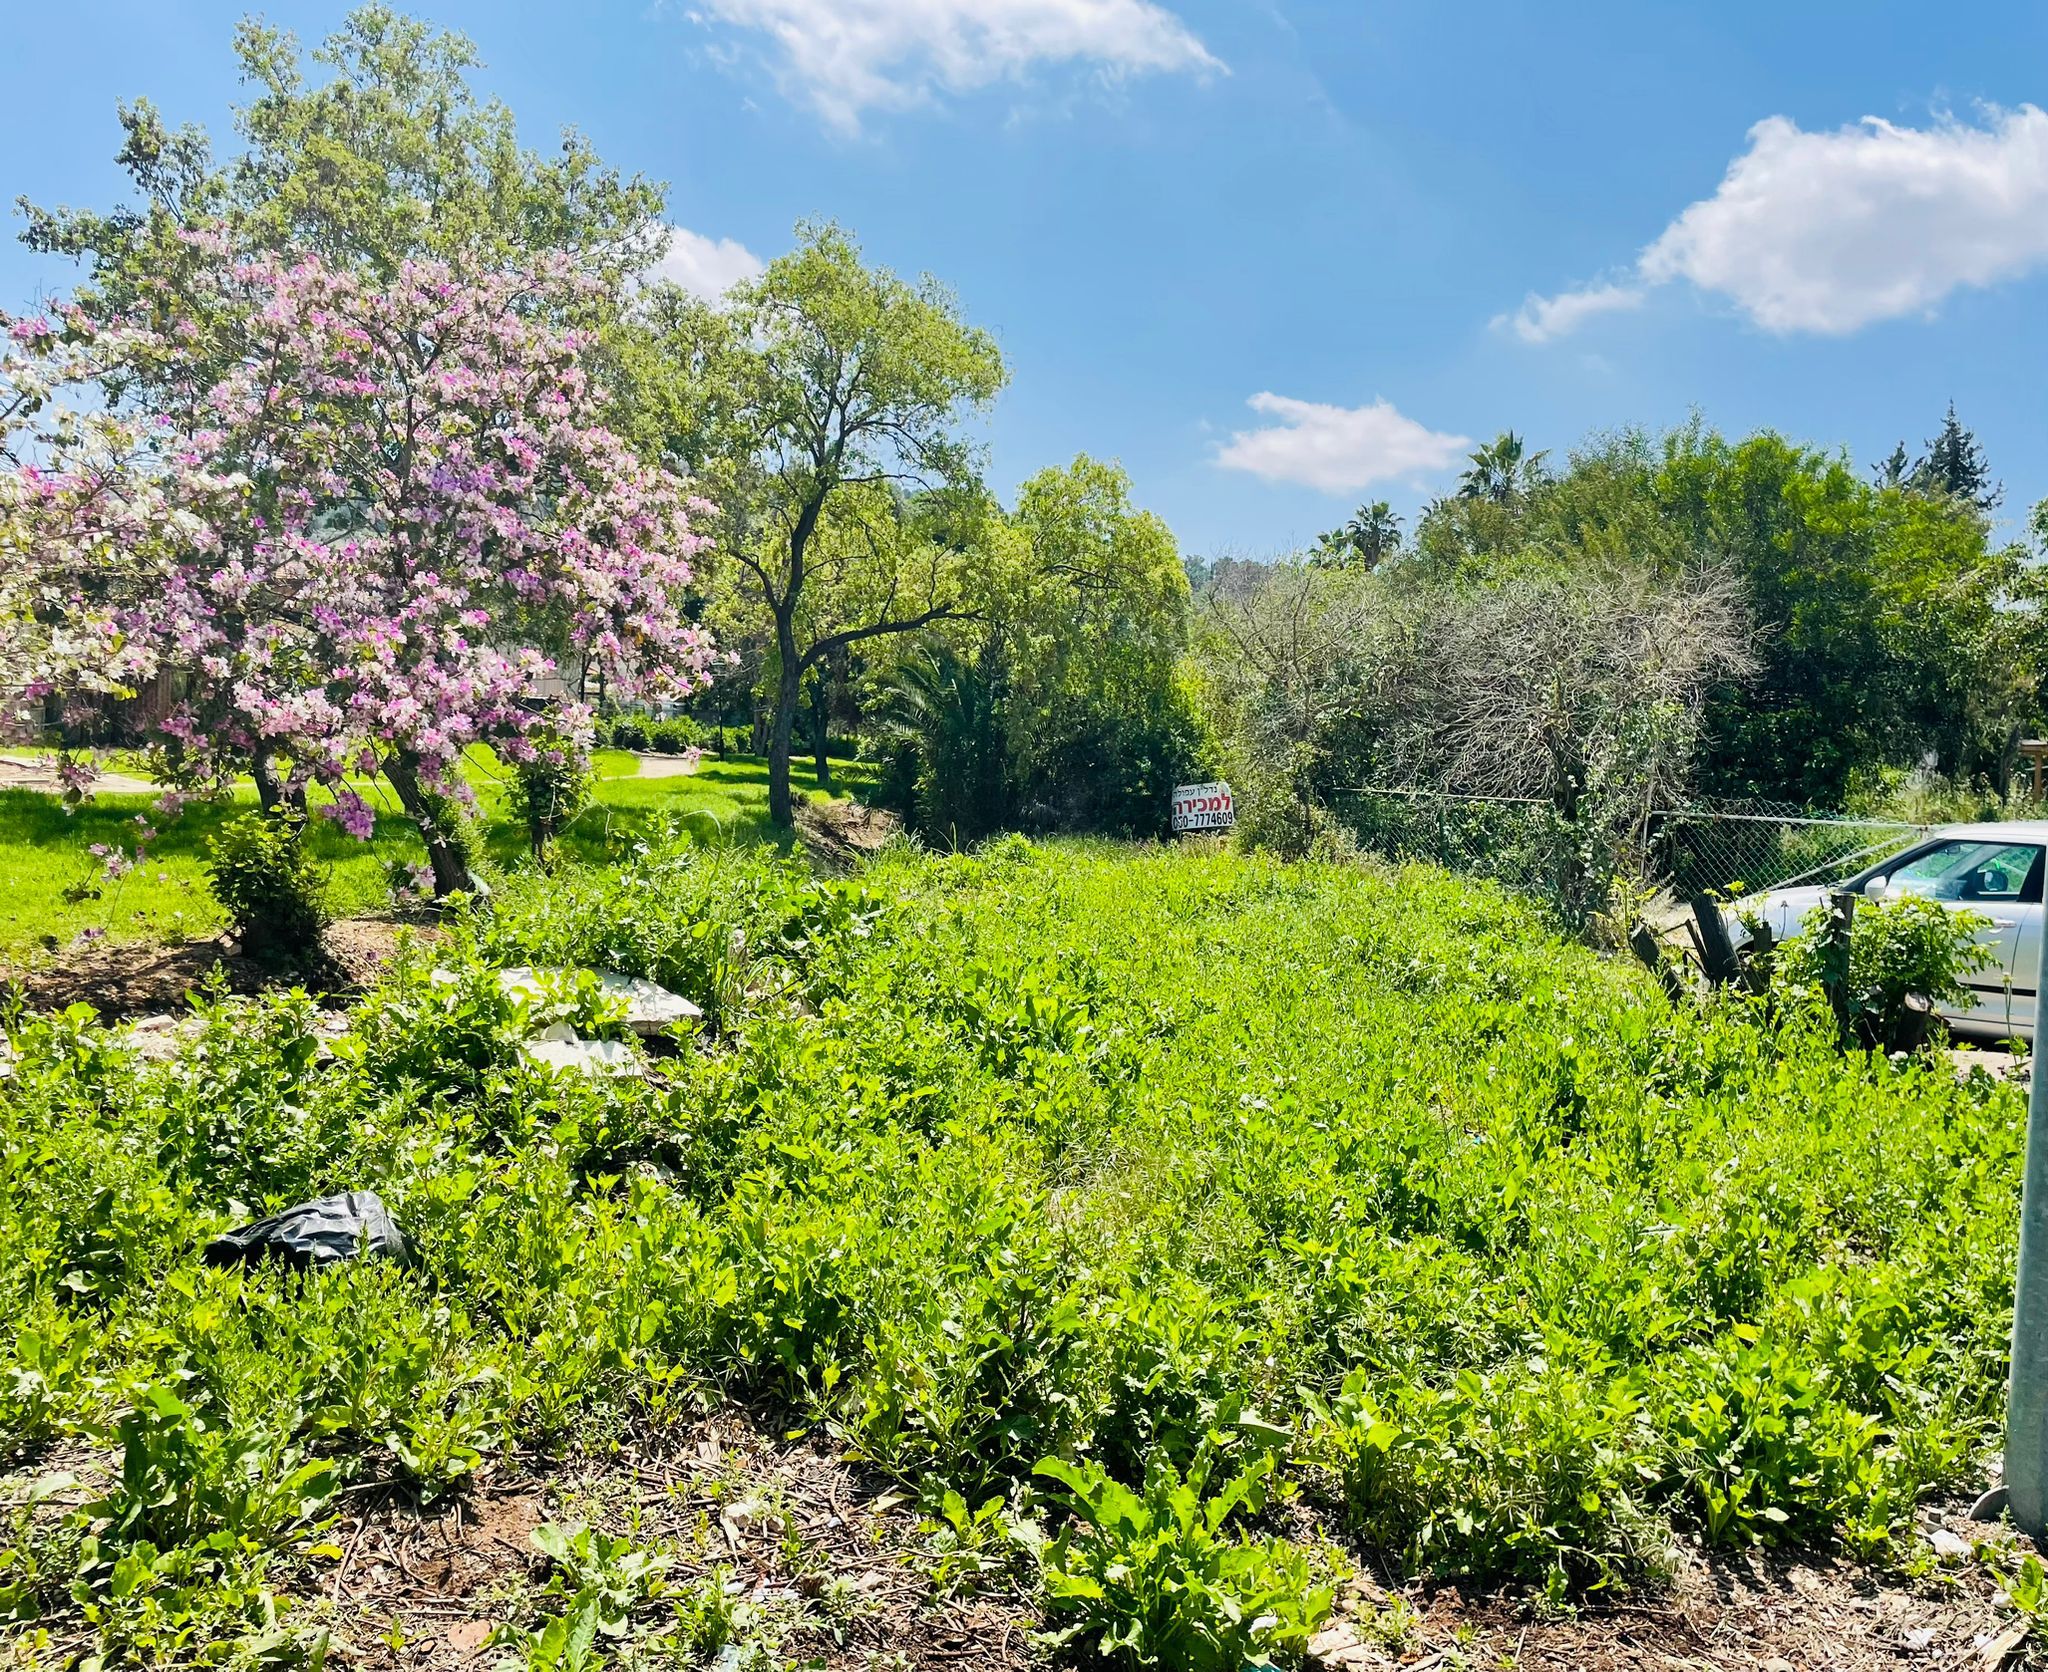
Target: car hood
1784,909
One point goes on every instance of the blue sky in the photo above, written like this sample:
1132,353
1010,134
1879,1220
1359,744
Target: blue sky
1389,225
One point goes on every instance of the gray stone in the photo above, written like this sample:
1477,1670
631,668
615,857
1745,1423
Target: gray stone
1336,1648
651,1009
158,1038
598,1058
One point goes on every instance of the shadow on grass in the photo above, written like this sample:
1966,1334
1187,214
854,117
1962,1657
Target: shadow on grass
722,801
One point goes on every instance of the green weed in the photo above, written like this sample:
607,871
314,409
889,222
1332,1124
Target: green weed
1042,1152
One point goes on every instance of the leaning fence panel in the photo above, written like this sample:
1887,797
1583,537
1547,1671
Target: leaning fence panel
1700,850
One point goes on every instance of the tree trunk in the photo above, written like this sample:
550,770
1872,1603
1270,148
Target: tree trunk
821,716
1835,959
268,794
788,680
451,876
274,794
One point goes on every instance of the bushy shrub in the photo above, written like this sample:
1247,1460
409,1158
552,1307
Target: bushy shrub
1280,815
1907,949
676,736
547,792
275,896
629,733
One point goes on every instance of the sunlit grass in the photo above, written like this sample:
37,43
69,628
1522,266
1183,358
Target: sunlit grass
52,889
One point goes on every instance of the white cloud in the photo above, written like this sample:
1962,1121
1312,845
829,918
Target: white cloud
1540,318
1829,232
848,56
1338,449
706,267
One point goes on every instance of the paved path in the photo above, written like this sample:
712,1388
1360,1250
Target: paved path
1999,1064
17,773
663,766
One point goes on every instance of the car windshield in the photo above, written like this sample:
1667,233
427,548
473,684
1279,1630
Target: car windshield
1970,870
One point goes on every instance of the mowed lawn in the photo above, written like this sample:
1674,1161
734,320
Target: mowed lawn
53,888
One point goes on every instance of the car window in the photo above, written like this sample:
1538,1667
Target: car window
1972,870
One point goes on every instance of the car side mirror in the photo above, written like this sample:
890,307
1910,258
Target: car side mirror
1876,888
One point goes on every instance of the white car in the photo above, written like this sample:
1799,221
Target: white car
1994,870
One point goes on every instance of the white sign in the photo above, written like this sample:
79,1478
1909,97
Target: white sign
1203,807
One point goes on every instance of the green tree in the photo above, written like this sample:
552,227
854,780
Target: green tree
945,707
1062,702
1095,621
1955,465
1371,537
823,404
1885,620
1895,469
1503,471
1882,628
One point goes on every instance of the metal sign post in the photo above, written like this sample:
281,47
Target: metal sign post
2025,1491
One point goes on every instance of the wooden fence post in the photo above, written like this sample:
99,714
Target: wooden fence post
1717,951
1834,961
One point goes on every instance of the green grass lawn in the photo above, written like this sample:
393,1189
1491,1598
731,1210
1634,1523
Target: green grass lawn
53,889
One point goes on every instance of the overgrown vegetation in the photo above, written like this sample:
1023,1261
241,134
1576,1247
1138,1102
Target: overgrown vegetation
263,878
1218,1181
1662,618
1902,956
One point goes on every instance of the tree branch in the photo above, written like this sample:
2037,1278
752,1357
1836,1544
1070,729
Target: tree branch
908,624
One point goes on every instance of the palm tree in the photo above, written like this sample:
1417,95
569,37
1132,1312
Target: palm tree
1371,537
1374,533
1503,471
949,711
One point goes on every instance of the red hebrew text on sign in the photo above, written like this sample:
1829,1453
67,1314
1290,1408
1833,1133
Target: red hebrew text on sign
1203,807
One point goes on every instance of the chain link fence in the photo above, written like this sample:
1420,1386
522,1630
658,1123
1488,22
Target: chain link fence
1519,842
1755,846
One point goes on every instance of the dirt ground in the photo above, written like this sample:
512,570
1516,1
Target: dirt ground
145,978
823,1563
839,1571
1742,1613
841,834
829,1570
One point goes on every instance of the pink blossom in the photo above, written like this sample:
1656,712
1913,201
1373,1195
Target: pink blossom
320,635
352,813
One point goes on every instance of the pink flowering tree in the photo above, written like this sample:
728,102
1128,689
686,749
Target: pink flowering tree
92,518
389,509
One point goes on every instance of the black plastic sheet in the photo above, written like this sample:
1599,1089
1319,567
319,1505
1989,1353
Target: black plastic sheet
317,1233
